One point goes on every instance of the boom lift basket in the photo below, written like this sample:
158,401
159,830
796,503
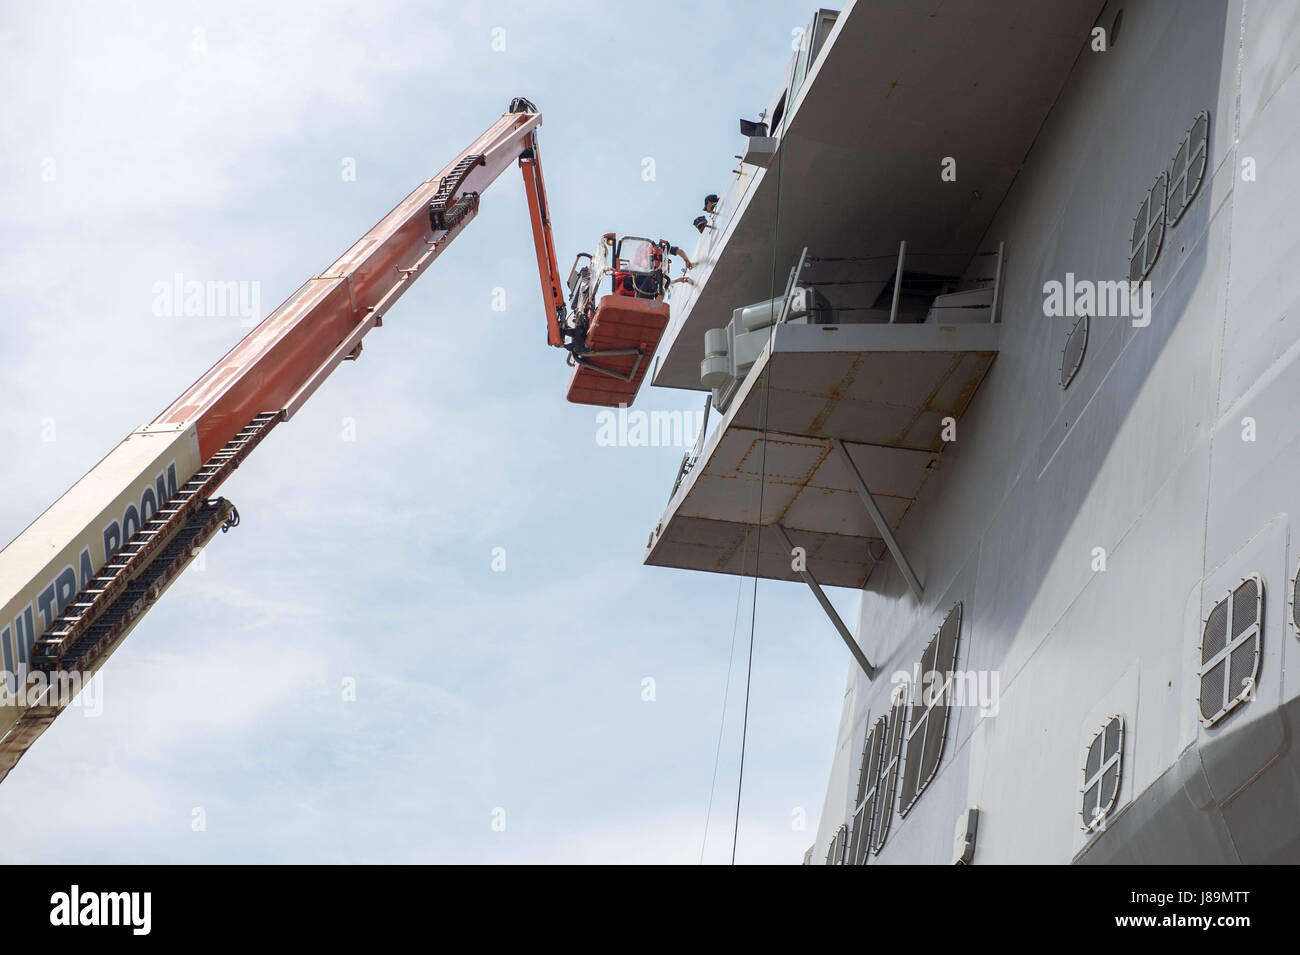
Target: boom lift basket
621,339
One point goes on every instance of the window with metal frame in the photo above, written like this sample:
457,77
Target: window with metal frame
889,770
1230,650
864,817
930,701
1102,764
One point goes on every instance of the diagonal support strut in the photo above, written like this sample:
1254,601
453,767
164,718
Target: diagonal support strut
878,518
822,599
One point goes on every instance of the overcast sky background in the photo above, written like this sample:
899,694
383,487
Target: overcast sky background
208,139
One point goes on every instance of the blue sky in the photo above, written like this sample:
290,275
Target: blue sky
208,139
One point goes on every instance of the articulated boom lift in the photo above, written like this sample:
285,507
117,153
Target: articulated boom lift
610,339
78,579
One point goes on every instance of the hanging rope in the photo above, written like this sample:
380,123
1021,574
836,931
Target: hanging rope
722,722
758,518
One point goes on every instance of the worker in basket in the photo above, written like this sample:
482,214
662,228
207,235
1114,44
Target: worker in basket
641,267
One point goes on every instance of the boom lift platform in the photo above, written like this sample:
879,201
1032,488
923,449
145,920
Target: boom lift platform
79,578
611,337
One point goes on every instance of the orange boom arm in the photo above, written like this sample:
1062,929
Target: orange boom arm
78,579
535,186
282,361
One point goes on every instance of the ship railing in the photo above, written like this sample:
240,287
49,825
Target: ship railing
693,455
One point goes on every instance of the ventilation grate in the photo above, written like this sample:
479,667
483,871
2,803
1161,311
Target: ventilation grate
1216,632
931,703
1101,773
1076,343
839,845
1148,231
873,752
889,771
1244,601
1230,650
1295,602
1188,169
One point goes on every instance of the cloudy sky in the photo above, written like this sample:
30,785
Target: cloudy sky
145,140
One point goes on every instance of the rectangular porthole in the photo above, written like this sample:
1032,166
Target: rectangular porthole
1148,230
1230,650
835,855
1188,168
1101,773
930,705
1295,602
864,817
889,771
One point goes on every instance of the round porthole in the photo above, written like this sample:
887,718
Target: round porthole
1072,355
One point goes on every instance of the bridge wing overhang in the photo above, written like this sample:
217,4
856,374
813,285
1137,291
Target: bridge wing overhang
876,393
